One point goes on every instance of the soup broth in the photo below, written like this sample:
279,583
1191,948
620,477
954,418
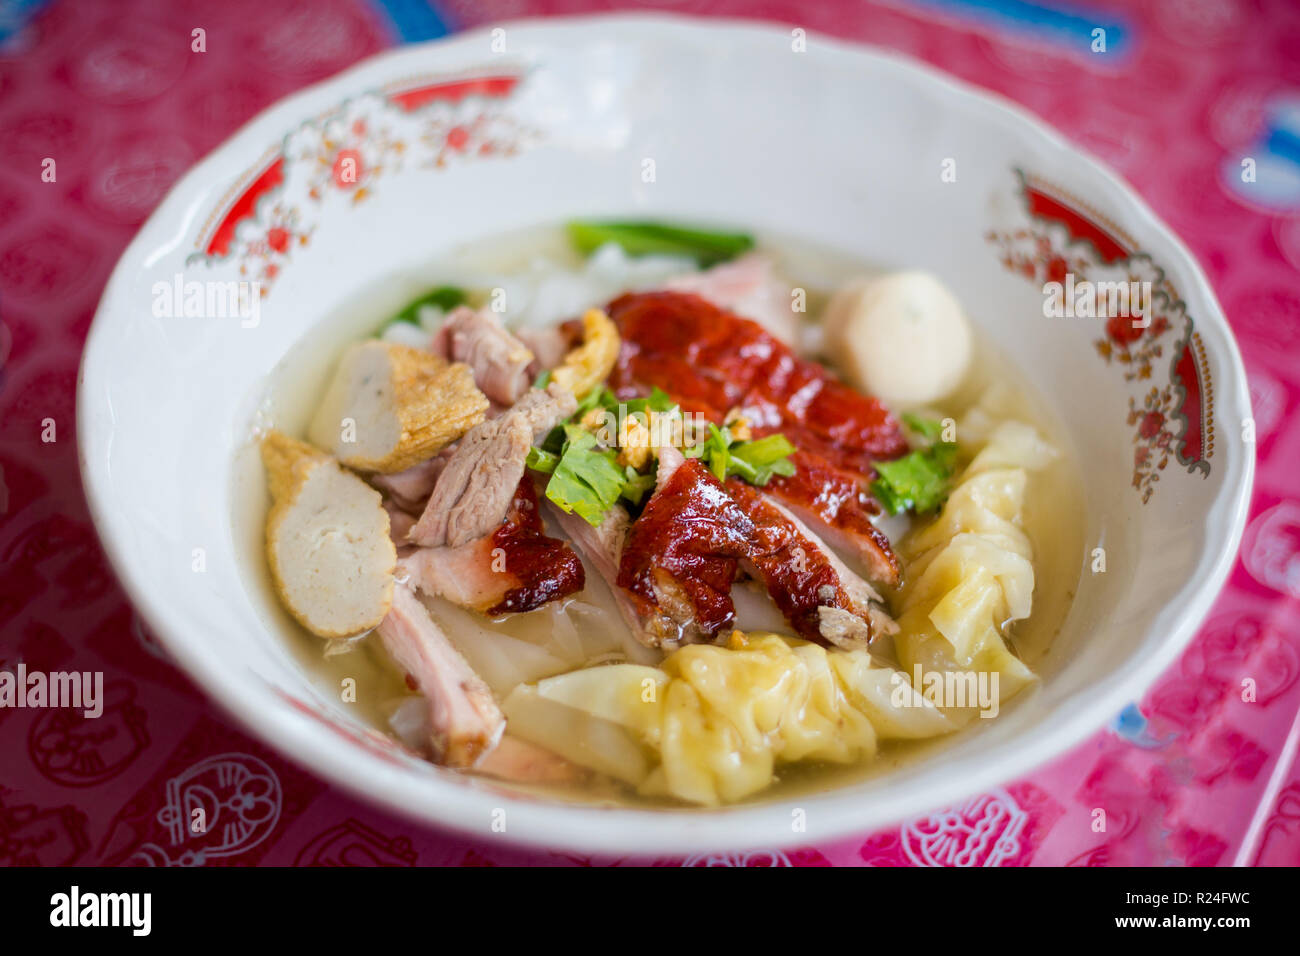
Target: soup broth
586,629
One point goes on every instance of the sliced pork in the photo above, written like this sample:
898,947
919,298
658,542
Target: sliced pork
683,552
410,489
711,361
514,568
498,359
478,484
519,761
543,409
746,286
400,523
819,596
838,505
602,546
465,722
550,344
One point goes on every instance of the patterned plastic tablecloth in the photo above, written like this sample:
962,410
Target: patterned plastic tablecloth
1190,774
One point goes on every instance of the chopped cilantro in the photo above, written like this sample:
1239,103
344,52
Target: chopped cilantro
752,461
585,480
764,457
637,485
918,481
541,460
656,401
928,428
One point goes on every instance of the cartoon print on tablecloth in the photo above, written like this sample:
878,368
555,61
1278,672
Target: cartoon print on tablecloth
241,792
353,843
1002,827
221,806
35,836
1197,847
40,647
1195,714
1209,675
78,751
1280,843
1161,358
1133,802
56,559
126,640
1270,548
806,856
23,483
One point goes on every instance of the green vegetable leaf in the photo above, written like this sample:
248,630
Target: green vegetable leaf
764,451
540,460
928,428
445,297
543,378
596,397
784,467
586,479
654,238
554,440
918,481
752,461
637,485
656,401
718,454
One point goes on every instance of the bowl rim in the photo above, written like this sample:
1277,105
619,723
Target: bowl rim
604,830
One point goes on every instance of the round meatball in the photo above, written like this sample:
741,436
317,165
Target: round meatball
901,337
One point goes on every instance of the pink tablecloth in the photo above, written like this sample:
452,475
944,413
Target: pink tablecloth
1192,774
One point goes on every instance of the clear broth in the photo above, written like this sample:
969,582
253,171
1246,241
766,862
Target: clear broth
1053,519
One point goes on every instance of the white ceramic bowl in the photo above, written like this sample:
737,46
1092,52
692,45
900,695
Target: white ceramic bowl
836,144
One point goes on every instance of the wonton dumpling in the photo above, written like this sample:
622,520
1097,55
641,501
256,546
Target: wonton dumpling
1012,445
576,735
772,699
970,569
720,719
626,694
897,710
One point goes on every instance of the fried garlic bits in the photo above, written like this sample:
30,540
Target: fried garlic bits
588,365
